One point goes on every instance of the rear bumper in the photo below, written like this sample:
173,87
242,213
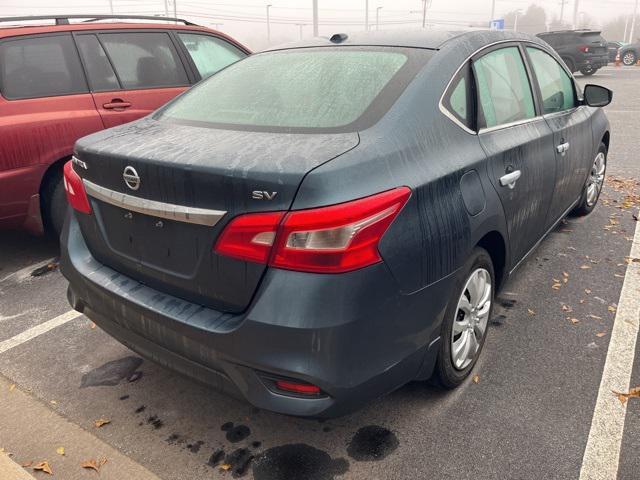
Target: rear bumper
353,335
594,61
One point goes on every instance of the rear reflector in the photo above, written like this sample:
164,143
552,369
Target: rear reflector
294,387
334,239
76,194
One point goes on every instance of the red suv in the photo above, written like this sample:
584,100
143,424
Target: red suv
64,81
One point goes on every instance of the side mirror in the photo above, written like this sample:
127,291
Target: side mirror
597,96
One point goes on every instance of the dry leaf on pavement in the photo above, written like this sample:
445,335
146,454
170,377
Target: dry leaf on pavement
574,320
12,387
60,450
601,334
476,379
94,464
623,397
100,422
225,466
27,464
531,312
43,467
611,308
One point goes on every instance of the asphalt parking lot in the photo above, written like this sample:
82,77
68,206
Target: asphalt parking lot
527,414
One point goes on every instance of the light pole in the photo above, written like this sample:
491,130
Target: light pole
268,26
111,6
493,10
300,25
166,8
576,6
633,22
217,26
424,13
626,29
515,22
378,18
366,15
562,3
315,18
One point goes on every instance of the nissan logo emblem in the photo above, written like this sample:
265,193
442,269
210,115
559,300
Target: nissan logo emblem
131,178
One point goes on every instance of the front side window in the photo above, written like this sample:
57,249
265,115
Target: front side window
144,60
555,84
503,88
32,67
209,54
320,88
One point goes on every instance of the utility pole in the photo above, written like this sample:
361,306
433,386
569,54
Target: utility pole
626,28
315,18
562,4
515,21
378,18
268,26
576,6
493,10
166,8
424,13
111,6
633,23
300,25
366,15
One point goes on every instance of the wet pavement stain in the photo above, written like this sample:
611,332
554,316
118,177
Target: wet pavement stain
195,447
239,460
111,373
372,443
216,458
256,444
498,320
297,461
238,433
226,427
173,438
124,397
505,303
141,409
155,421
135,376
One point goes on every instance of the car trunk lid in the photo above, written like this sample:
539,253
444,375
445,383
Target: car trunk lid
192,181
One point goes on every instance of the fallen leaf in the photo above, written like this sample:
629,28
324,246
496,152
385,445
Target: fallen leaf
27,464
53,402
94,464
12,387
531,312
574,320
587,291
595,316
565,274
225,466
556,286
476,379
623,397
60,450
585,267
618,275
601,334
611,308
43,467
100,422
566,308
93,325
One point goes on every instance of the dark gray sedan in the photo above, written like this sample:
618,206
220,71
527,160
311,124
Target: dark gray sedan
322,223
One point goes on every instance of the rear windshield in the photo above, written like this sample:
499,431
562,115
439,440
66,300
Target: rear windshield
328,89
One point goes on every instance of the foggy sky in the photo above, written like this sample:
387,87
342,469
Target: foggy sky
246,19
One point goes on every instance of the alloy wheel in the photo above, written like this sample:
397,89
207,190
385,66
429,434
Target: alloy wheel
629,58
596,179
471,318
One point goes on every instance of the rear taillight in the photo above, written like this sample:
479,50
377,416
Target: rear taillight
76,194
333,239
584,48
297,387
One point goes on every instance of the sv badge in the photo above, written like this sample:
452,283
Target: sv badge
261,195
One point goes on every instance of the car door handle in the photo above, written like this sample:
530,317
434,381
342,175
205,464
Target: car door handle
510,179
563,148
115,104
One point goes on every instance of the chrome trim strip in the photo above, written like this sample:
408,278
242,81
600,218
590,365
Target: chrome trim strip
510,124
179,213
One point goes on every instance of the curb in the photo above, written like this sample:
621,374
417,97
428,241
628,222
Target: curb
10,470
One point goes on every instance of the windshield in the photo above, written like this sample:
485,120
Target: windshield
298,89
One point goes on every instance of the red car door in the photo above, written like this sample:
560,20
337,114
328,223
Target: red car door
131,73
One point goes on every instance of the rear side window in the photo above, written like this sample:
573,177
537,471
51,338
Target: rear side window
46,66
209,54
503,88
144,60
556,86
101,75
458,99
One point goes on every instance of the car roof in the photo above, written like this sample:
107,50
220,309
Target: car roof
577,32
12,30
419,38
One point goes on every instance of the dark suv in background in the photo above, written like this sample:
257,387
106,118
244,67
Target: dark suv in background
64,81
583,51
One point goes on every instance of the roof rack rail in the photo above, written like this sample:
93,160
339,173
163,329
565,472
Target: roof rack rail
64,19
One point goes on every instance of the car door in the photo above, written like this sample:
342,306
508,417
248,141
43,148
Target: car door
131,73
45,106
208,53
571,130
517,142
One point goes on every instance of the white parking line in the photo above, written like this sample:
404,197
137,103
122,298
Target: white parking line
38,330
602,453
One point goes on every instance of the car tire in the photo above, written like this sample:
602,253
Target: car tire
593,186
570,64
588,71
54,205
629,58
464,320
